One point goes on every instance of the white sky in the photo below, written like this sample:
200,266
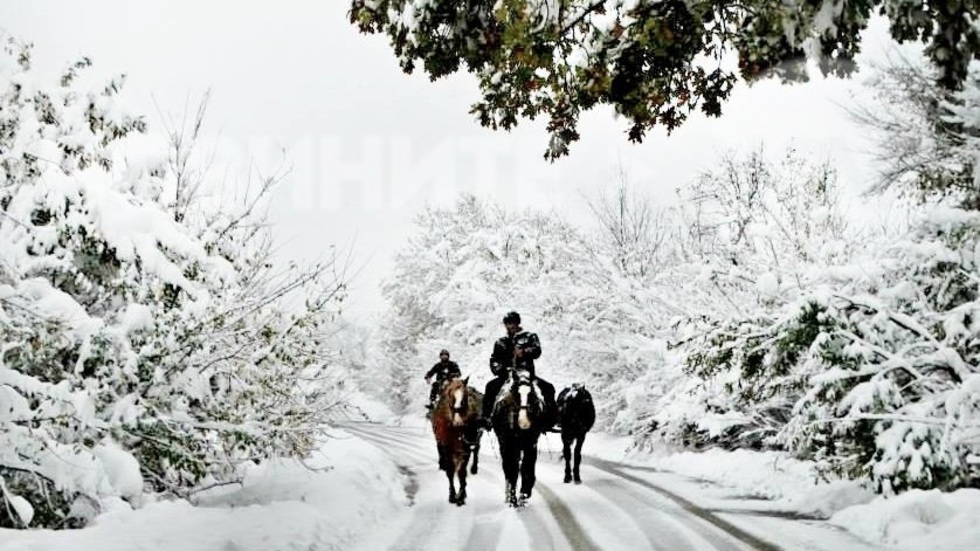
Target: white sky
369,145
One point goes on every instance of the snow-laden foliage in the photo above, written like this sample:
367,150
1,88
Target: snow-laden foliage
867,363
653,61
454,278
921,131
871,369
467,266
755,229
140,348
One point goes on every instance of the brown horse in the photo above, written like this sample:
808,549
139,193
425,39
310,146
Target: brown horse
517,422
454,424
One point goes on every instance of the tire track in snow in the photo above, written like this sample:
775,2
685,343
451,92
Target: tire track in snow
699,512
664,527
487,535
570,528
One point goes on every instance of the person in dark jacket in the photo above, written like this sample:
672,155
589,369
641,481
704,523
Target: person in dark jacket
443,370
518,348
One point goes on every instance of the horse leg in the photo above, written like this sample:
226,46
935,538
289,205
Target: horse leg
443,461
452,485
578,457
566,454
509,462
527,469
476,456
461,475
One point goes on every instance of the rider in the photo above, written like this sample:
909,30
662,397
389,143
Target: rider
520,347
442,370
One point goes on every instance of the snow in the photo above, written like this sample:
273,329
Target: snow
122,469
347,489
768,284
918,519
468,268
362,407
769,474
20,506
350,491
136,317
915,520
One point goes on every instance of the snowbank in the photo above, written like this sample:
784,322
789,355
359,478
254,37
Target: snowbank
347,488
918,520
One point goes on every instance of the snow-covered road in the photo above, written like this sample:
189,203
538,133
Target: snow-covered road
618,507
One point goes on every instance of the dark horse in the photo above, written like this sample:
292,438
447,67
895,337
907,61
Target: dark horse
454,424
576,413
517,417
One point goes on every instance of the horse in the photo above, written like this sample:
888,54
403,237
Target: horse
576,414
457,433
517,422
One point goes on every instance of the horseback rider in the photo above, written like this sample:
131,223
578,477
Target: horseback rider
518,348
442,370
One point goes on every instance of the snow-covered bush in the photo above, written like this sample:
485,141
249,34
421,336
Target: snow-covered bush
870,370
891,394
136,343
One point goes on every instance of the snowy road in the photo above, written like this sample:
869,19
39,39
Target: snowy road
617,507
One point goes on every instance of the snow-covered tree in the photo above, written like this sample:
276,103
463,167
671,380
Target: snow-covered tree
463,269
921,146
871,370
757,228
634,231
468,265
865,360
140,348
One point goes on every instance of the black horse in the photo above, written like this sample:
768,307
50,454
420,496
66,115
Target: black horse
576,413
517,422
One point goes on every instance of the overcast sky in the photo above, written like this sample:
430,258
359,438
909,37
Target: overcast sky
370,146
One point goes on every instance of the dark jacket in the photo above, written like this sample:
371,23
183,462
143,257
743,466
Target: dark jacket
443,370
503,352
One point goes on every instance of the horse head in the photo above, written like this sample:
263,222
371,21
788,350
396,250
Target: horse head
455,394
528,403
